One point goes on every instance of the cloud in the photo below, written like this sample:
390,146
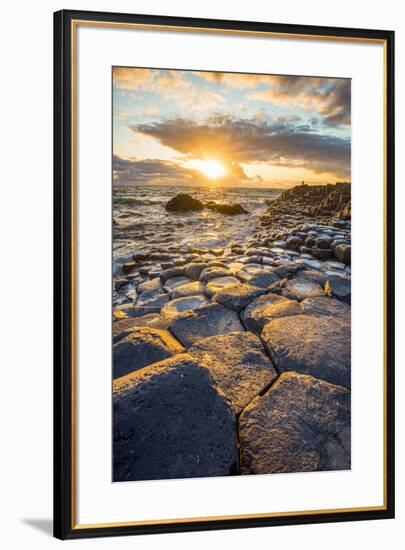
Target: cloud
164,172
288,118
159,172
330,97
245,141
235,80
127,78
173,85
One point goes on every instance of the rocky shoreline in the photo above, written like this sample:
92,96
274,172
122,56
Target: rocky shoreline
236,360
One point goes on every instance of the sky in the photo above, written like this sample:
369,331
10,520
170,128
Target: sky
227,129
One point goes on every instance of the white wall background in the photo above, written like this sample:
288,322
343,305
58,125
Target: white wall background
26,272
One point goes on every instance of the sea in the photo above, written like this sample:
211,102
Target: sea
140,219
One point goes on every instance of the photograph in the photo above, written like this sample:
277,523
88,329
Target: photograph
231,273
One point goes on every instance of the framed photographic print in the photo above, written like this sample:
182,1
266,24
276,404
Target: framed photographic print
224,274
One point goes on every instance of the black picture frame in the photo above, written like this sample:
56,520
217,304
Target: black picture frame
64,444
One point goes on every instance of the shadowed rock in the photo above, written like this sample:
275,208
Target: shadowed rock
218,283
268,307
300,288
237,296
129,310
176,307
170,273
188,289
122,327
238,365
257,276
300,425
340,287
319,346
323,305
335,266
342,252
205,321
213,272
152,299
193,271
311,264
229,209
141,347
312,275
174,282
287,269
170,422
149,287
184,203
128,267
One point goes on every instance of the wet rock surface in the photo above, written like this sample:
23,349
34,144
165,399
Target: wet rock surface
258,276
170,422
339,287
300,425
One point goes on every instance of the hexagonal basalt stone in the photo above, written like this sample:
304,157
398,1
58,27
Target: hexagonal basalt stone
319,346
174,282
238,364
340,287
213,272
237,296
323,305
188,289
205,321
300,288
301,424
263,277
122,327
177,307
193,271
170,422
141,347
218,283
268,307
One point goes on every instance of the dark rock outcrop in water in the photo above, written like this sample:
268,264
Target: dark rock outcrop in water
186,203
300,425
229,209
182,426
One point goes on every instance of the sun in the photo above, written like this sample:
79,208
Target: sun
211,168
